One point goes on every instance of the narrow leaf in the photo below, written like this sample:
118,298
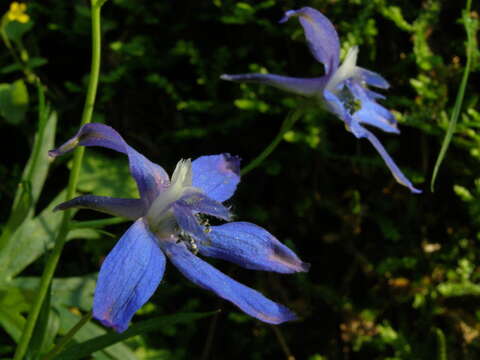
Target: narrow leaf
82,350
470,29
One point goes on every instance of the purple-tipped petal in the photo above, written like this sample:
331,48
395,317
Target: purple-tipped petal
150,177
321,36
252,247
206,276
300,86
127,208
188,222
216,175
200,203
361,132
372,78
128,277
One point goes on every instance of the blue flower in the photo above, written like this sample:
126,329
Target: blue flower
169,220
342,90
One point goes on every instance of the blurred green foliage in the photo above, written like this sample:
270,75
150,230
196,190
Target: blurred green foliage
394,276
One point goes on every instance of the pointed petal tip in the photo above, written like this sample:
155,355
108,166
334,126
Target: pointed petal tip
305,267
119,328
284,315
226,77
232,163
288,14
415,190
53,153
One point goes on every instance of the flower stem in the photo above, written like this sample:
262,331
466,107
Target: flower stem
68,337
92,224
287,124
52,261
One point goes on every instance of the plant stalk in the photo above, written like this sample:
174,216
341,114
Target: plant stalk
72,184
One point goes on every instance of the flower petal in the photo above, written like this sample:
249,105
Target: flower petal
300,86
216,175
335,106
188,222
372,78
321,36
127,208
199,202
361,132
128,277
206,276
370,112
150,177
252,247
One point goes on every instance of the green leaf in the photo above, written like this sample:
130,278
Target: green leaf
471,32
30,241
11,68
35,171
72,291
82,350
89,331
46,328
106,176
36,62
15,30
13,101
12,304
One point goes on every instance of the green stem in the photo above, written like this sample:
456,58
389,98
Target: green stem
68,337
441,345
287,124
97,223
460,95
72,184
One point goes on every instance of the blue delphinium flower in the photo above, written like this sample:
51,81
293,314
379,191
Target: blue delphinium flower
342,90
168,221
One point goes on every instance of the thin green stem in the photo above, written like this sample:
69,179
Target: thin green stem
460,94
97,223
68,337
287,124
52,261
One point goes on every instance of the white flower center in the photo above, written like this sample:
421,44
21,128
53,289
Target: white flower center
160,216
347,70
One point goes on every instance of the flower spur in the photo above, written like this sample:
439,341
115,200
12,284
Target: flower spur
343,90
168,221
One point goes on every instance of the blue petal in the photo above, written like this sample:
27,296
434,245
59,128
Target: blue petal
372,78
361,132
188,222
300,86
200,203
216,175
150,177
252,247
206,276
128,277
335,106
370,112
127,208
321,36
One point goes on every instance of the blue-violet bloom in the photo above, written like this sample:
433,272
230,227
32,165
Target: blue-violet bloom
343,90
169,219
